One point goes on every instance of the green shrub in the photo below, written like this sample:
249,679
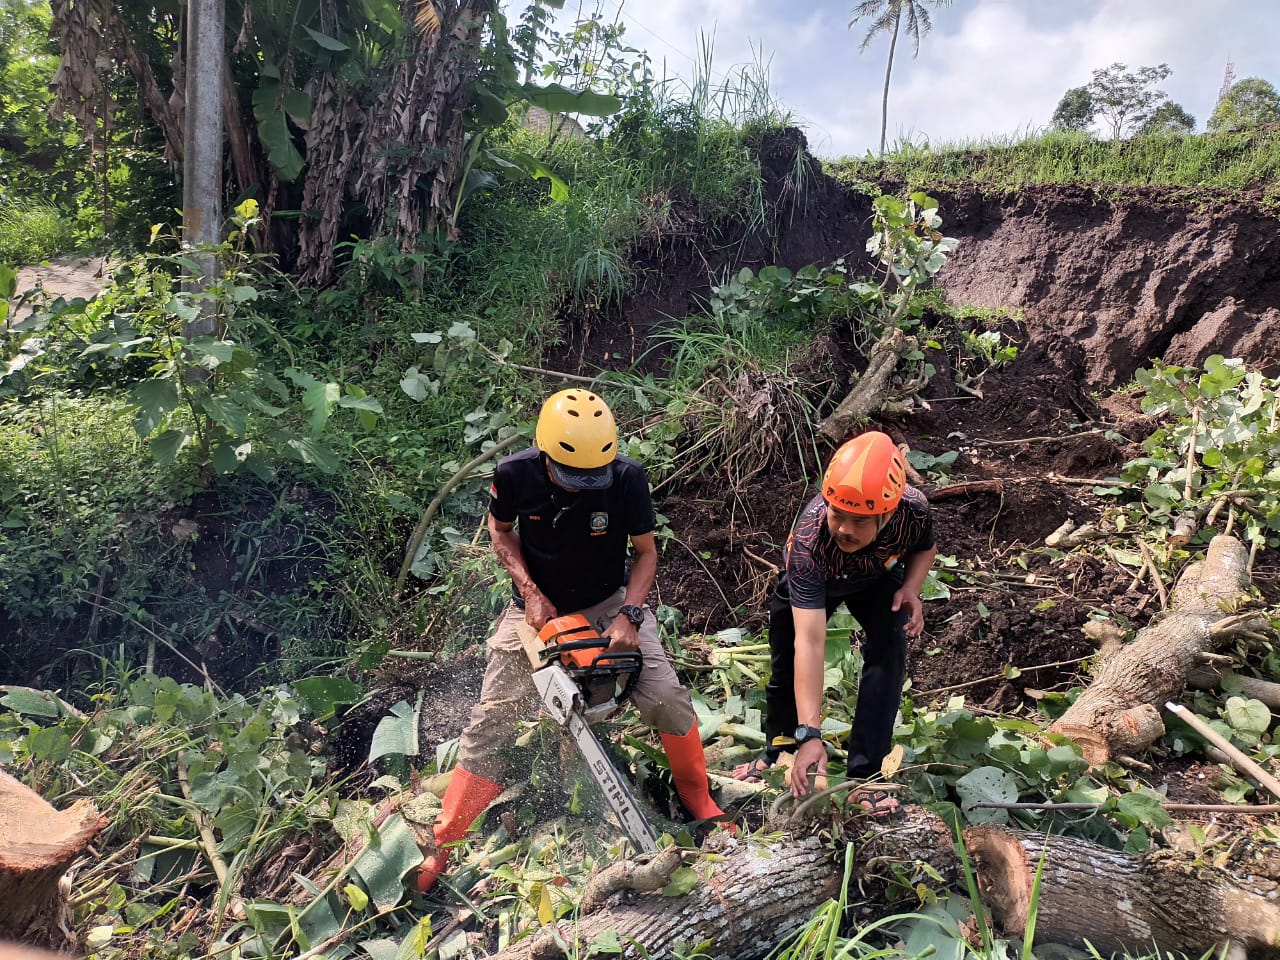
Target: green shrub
31,231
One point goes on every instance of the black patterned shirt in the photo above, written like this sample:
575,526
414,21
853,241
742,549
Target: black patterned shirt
818,571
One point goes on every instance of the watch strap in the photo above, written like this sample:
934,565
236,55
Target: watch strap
633,613
805,733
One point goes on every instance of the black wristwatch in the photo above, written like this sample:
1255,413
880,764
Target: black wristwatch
805,733
633,613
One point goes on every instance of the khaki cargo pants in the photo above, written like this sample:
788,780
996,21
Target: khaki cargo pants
508,697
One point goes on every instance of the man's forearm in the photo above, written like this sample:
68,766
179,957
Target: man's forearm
643,571
810,664
506,547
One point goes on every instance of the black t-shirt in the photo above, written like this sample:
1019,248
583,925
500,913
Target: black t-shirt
574,543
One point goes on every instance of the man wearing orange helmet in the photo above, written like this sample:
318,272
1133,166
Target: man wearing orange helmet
561,516
866,541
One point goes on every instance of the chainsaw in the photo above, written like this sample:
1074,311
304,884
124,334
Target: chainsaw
581,682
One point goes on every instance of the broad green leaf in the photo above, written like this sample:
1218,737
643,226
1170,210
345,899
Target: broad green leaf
682,881
418,386
383,862
312,451
30,702
326,42
225,459
1145,808
555,98
605,942
211,353
154,399
49,743
297,104
165,447
1248,716
323,694
361,403
986,785
319,400
8,283
227,413
273,131
380,949
396,734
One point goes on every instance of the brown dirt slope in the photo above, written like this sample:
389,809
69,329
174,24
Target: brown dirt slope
1144,275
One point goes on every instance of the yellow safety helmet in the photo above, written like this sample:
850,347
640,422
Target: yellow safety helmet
577,432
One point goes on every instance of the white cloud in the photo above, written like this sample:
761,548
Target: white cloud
989,68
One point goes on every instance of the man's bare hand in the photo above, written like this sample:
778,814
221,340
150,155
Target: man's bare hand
538,609
911,602
811,757
622,635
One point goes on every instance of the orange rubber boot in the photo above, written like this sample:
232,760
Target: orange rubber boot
466,798
689,771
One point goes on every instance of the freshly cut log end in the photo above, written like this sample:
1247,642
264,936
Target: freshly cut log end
1120,903
1005,875
37,843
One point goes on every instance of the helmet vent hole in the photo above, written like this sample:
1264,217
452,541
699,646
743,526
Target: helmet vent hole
598,413
607,447
573,413
567,447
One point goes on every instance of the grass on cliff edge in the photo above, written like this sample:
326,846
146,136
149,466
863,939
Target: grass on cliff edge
1244,161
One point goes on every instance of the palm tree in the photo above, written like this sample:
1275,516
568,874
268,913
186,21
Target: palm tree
888,16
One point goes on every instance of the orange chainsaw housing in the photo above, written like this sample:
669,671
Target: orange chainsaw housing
577,646
571,639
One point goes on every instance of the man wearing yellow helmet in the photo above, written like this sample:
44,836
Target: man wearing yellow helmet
865,541
561,516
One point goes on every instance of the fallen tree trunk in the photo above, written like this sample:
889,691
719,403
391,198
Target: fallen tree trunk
1174,902
747,903
871,390
37,843
1119,712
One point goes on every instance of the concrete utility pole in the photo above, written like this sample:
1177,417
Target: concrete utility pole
202,136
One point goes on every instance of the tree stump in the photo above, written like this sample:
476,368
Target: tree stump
37,843
1119,903
1119,713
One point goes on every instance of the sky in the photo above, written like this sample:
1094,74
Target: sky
989,68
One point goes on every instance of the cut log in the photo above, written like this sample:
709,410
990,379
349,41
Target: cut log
748,902
871,390
1119,712
1174,902
37,843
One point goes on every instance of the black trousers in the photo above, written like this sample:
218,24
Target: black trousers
884,664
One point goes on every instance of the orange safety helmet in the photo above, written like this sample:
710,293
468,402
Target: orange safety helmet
866,476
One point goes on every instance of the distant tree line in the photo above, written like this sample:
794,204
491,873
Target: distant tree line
1128,102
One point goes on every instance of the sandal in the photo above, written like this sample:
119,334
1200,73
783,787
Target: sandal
877,804
753,770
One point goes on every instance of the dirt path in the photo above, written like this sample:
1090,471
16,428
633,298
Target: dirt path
69,276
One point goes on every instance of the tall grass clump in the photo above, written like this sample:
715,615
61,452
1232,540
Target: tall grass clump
31,231
1246,160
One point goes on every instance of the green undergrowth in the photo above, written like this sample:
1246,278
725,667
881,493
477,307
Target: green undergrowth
32,231
311,506
1247,161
